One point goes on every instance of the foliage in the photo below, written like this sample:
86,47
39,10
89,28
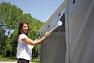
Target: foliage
12,15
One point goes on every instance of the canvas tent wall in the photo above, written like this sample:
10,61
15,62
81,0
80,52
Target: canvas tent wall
50,48
79,34
53,49
52,45
79,24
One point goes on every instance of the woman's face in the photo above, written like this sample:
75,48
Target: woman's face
24,28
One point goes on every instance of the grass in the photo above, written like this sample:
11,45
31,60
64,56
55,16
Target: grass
34,60
7,58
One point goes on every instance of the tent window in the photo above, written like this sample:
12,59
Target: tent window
73,1
61,28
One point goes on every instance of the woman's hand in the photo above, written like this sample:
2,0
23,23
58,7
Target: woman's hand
47,34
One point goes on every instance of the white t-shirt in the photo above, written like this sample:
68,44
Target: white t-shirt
24,50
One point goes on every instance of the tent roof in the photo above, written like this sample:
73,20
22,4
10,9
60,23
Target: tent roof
54,18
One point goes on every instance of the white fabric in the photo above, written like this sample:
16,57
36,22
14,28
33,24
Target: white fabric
80,31
23,50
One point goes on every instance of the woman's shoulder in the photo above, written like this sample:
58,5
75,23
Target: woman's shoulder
22,35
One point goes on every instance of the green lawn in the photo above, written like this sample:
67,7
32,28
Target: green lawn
35,60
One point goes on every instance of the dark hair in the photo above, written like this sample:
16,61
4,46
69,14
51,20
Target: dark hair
20,27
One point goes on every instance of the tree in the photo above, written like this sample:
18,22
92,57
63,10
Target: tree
12,15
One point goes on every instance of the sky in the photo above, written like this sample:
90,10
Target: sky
39,9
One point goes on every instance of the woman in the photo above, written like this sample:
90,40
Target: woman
25,44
